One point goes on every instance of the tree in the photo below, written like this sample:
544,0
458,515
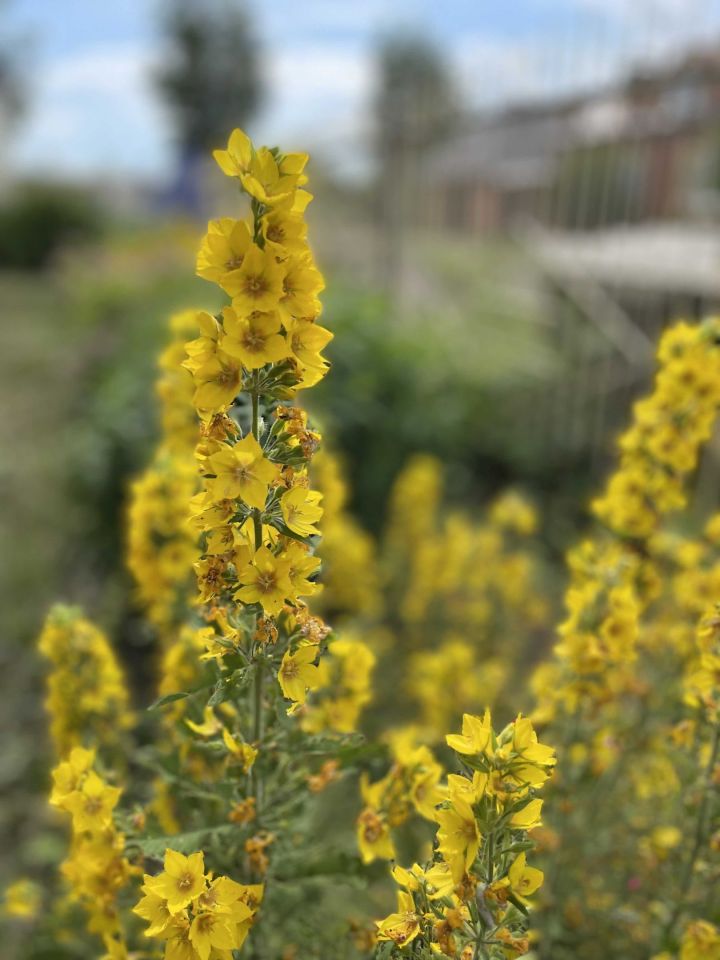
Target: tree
416,105
212,78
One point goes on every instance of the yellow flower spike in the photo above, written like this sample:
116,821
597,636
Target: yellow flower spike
298,673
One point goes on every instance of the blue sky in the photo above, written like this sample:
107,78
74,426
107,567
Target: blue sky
93,108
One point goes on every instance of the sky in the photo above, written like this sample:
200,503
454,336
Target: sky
92,107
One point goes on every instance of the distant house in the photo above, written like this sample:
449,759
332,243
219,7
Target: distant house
647,149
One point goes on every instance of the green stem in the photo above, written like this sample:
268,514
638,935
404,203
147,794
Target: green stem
700,837
259,672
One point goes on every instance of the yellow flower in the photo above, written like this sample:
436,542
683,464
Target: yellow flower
301,510
301,566
298,673
255,340
476,736
306,339
242,752
272,182
266,581
235,160
401,927
302,284
284,231
211,930
217,383
528,817
242,471
153,907
22,899
373,835
182,880
92,805
222,251
458,836
524,880
257,284
701,941
69,774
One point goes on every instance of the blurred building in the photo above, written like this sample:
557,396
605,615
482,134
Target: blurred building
647,149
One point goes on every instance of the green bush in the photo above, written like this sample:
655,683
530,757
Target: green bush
39,219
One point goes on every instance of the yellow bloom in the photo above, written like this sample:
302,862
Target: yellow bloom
476,736
217,383
284,231
458,836
255,340
153,907
69,774
524,880
212,930
182,880
528,817
235,160
301,510
306,339
301,565
298,673
401,927
222,251
701,941
272,182
242,471
22,899
266,581
242,752
257,284
373,835
92,805
302,284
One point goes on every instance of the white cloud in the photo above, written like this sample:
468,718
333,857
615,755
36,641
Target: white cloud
94,112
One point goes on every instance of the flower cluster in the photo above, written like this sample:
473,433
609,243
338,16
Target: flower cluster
95,869
471,899
670,425
413,783
198,916
87,698
161,546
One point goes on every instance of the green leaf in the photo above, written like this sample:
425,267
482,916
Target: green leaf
155,847
168,698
